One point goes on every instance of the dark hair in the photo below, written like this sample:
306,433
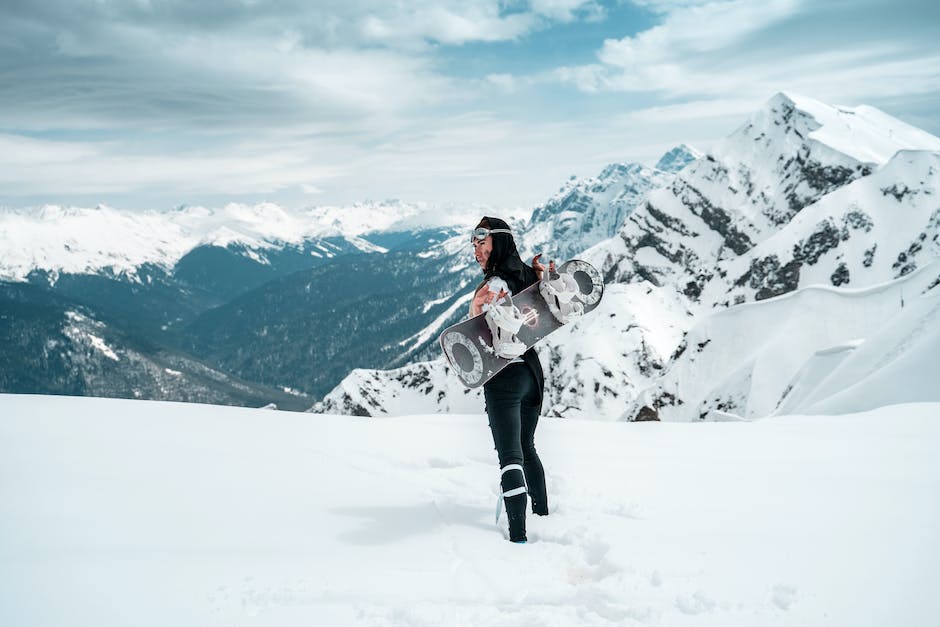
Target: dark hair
504,260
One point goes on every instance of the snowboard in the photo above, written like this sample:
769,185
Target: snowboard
468,345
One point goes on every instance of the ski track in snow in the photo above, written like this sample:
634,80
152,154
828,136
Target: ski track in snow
118,512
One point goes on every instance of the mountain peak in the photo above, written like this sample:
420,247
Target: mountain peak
863,133
677,158
619,170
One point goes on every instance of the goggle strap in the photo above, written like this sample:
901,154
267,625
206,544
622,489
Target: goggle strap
484,232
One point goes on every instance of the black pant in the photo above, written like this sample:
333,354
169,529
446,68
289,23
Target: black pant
513,401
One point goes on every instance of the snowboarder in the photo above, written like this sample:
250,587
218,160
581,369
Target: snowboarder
514,396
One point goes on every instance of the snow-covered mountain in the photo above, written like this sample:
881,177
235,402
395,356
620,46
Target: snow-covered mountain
586,211
582,213
117,513
784,158
677,158
80,240
801,194
820,348
288,299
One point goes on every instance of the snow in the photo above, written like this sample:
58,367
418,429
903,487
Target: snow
102,346
892,225
818,349
435,327
896,362
116,512
366,246
863,133
88,240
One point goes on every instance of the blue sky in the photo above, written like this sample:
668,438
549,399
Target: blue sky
155,103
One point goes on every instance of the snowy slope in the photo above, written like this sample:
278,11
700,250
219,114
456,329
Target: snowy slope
429,385
896,361
776,354
593,367
116,513
872,230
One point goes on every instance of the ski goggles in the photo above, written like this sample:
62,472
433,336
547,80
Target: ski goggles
481,233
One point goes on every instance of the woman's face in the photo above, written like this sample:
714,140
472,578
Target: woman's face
482,250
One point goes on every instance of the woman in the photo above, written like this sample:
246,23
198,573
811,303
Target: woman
514,396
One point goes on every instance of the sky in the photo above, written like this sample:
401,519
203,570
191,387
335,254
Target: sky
150,104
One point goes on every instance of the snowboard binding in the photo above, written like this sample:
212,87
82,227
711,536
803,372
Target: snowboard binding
505,320
561,291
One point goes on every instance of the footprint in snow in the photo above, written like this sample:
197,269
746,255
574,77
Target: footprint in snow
440,462
784,596
627,510
695,604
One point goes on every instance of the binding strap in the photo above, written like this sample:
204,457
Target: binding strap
521,489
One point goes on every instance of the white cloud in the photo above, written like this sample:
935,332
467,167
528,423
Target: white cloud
505,82
27,165
694,110
349,99
740,48
29,152
664,58
694,29
457,25
410,25
665,6
567,10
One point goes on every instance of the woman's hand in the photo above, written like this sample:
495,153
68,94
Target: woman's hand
539,267
483,297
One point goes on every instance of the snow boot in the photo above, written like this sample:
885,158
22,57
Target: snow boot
515,511
535,484
560,291
514,497
504,321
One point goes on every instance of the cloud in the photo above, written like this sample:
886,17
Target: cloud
447,25
229,97
221,64
568,10
505,82
178,101
455,22
664,58
29,152
28,164
722,48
